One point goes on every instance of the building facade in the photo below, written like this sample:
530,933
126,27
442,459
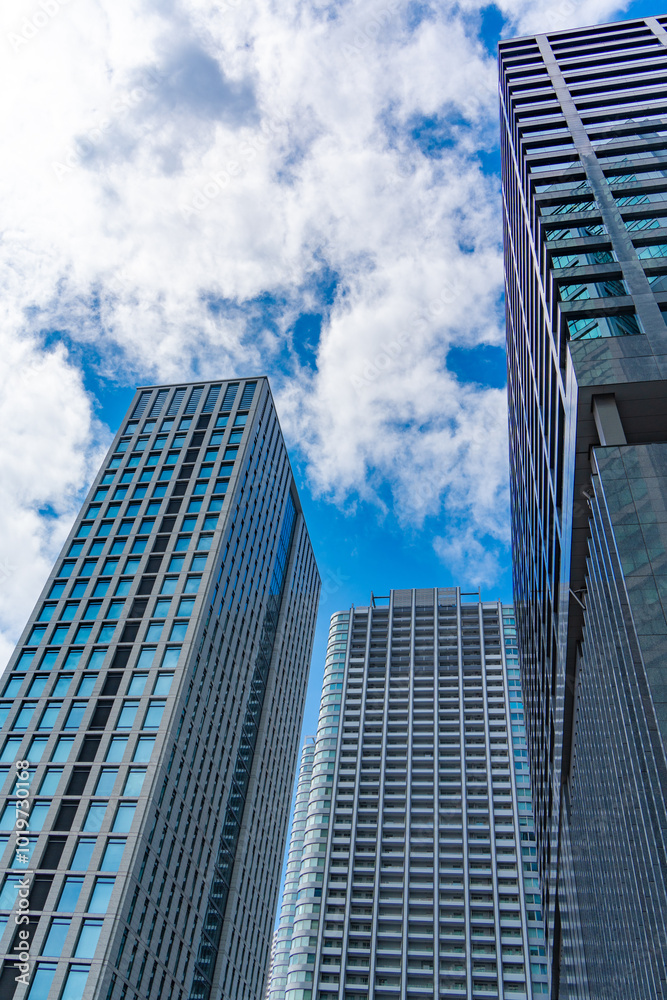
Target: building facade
151,711
413,871
584,163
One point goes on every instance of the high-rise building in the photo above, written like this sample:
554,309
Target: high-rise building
584,164
412,870
151,713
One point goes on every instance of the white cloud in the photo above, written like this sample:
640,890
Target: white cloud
180,177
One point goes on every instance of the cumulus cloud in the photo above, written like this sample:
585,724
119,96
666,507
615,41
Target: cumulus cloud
184,180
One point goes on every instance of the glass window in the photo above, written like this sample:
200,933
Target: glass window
75,549
153,715
50,714
182,543
116,749
61,750
127,715
58,634
186,606
171,655
36,689
96,548
154,631
46,613
134,781
41,981
24,715
83,854
131,565
106,780
72,659
235,437
57,590
176,564
61,686
67,567
194,506
113,855
222,420
99,900
8,819
94,817
92,610
75,982
143,749
101,588
96,659
88,938
210,521
189,523
50,781
25,660
10,750
161,609
198,562
240,419
178,630
75,715
83,633
69,895
153,506
139,545
124,586
192,584
12,686
125,527
115,609
124,816
163,683
78,590
48,660
137,684
37,635
86,685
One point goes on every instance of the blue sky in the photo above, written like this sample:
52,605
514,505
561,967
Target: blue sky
299,189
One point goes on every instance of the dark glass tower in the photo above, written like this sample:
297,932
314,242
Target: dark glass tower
584,160
153,706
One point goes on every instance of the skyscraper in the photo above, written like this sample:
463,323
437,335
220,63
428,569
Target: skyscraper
584,163
152,708
412,867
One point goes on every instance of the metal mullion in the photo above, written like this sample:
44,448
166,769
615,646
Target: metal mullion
492,815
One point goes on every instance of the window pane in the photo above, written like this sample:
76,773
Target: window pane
106,781
143,750
95,817
101,895
70,894
163,684
124,816
82,855
88,938
116,748
153,715
137,684
55,940
41,982
75,982
134,781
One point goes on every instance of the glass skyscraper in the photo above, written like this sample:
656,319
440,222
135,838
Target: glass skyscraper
151,712
584,163
412,866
